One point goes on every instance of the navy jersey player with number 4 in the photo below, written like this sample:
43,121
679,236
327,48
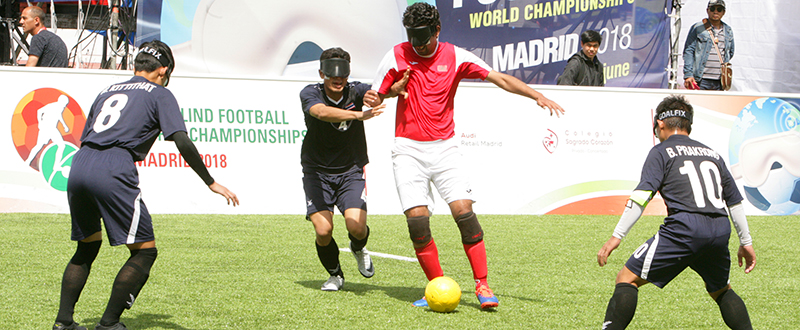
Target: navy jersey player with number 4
697,189
333,156
124,121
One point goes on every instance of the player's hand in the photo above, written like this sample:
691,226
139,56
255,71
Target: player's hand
399,87
229,195
602,255
749,255
372,99
374,112
548,104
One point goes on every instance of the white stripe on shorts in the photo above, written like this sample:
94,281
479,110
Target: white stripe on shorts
137,210
648,259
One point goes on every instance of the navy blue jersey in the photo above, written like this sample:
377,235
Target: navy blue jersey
334,147
130,115
690,176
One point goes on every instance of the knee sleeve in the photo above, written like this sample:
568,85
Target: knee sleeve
471,231
86,253
419,228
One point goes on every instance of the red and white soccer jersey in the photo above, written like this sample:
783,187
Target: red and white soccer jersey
427,114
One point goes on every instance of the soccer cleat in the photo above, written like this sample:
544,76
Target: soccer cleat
365,266
486,297
117,326
73,326
334,283
420,303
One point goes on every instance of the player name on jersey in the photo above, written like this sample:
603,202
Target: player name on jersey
146,85
691,151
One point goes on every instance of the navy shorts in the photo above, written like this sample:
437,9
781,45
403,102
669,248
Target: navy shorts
345,190
105,184
695,241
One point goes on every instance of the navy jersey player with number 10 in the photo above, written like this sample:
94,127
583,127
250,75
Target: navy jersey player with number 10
697,189
124,121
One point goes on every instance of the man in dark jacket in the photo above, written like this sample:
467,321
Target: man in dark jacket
584,68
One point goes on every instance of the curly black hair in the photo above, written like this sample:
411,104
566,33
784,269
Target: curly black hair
335,52
421,14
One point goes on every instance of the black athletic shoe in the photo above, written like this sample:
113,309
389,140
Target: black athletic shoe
73,326
118,326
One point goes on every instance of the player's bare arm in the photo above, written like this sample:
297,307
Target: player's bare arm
399,87
230,197
749,255
337,115
610,245
516,86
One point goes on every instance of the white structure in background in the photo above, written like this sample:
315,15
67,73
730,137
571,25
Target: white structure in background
259,37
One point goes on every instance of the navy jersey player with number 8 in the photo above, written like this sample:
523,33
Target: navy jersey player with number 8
124,121
697,188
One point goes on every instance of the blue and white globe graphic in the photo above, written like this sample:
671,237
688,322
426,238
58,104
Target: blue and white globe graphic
764,117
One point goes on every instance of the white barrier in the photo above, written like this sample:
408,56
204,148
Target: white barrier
522,161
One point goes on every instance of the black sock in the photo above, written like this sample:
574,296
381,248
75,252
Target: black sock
733,310
329,256
129,282
358,244
74,279
621,307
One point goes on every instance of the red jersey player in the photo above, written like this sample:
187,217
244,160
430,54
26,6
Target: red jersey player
424,149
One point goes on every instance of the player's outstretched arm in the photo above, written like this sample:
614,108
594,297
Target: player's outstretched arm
516,86
398,88
633,211
337,115
190,154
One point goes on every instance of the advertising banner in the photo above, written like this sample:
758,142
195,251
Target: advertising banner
529,39
521,160
533,39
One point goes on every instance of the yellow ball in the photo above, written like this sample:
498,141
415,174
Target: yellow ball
443,294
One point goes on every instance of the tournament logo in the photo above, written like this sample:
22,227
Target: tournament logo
46,129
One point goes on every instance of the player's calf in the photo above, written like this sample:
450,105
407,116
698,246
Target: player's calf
75,275
621,307
129,282
734,311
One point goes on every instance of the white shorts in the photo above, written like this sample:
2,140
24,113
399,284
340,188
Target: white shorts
417,164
